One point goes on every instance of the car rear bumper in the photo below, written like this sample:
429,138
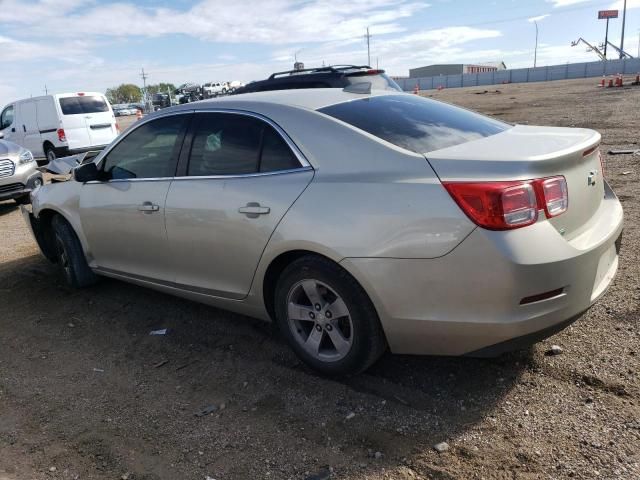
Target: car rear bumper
477,300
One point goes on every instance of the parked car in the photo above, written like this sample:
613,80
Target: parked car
57,125
338,76
18,174
189,92
356,221
124,110
160,100
213,89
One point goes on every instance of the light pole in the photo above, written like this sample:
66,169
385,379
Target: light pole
624,17
535,52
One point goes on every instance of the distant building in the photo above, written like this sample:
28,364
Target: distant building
455,69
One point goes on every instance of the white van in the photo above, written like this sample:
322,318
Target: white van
54,126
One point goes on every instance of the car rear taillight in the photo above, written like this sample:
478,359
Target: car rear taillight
509,205
555,197
61,135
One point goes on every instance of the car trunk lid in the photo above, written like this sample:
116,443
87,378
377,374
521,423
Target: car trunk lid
527,152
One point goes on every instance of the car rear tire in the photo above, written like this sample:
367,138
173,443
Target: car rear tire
327,317
70,256
50,153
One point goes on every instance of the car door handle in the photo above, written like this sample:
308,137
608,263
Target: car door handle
253,209
148,207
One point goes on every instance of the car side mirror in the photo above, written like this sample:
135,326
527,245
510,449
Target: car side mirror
86,172
1,135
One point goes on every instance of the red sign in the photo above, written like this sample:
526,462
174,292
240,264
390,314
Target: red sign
603,14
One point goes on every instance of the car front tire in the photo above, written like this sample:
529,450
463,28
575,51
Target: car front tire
70,256
327,317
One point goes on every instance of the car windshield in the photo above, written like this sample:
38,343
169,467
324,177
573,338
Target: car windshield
77,105
415,123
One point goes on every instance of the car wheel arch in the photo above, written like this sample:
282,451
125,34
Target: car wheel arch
44,220
280,262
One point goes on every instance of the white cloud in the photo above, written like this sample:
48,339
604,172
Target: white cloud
538,18
217,20
565,3
619,5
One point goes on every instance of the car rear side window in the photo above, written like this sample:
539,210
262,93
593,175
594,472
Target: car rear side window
225,144
78,105
149,151
276,154
232,144
415,123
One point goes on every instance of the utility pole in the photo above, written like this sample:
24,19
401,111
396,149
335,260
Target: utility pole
144,90
624,18
606,39
368,37
535,52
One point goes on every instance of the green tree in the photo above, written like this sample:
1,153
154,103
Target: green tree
161,88
125,93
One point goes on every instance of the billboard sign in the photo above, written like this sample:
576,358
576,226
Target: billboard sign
606,14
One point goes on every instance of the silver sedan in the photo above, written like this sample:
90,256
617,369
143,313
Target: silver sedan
357,220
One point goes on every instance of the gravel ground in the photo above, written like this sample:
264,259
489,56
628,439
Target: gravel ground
87,393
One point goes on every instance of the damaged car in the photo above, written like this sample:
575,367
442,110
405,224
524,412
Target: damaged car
358,220
18,174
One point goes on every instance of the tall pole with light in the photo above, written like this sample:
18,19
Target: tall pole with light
624,17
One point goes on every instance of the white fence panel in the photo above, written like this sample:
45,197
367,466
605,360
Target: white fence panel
627,66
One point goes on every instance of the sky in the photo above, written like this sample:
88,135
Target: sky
90,45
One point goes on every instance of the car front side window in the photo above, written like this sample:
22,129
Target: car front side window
149,151
6,118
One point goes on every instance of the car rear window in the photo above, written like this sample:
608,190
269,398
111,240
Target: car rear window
378,81
76,105
415,123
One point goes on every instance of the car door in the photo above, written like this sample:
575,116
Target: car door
238,176
29,126
8,124
123,214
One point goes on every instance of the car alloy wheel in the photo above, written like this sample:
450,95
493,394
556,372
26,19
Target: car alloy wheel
319,320
63,258
51,155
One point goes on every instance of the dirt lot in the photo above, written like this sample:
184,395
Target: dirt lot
86,392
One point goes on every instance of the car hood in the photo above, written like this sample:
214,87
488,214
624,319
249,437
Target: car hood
9,148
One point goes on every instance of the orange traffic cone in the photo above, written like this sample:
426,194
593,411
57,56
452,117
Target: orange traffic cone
440,87
602,82
637,82
610,83
416,89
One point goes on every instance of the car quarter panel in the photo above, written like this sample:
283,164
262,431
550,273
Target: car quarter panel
368,198
424,304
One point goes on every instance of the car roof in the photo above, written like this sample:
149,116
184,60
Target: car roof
307,98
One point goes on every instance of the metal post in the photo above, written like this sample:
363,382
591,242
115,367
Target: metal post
624,18
535,52
368,48
606,38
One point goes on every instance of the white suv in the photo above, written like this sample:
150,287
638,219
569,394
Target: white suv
58,125
213,89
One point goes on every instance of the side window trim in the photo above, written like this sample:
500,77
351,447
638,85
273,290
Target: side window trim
177,149
183,162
